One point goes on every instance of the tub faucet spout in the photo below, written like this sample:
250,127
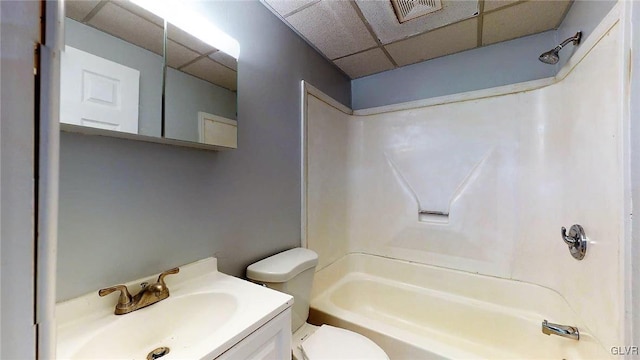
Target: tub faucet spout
570,332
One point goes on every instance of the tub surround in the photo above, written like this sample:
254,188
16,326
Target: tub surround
525,159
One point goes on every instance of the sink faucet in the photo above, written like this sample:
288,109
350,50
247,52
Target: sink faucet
149,294
570,332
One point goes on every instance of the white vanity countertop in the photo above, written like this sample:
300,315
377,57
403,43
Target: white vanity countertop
207,313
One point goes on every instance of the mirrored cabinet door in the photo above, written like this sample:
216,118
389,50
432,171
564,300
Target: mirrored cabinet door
200,91
116,71
111,75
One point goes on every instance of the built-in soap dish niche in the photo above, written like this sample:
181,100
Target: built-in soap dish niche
433,216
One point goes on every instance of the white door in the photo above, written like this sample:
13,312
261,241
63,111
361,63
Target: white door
98,93
217,130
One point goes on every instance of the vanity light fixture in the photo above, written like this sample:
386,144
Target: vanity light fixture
179,14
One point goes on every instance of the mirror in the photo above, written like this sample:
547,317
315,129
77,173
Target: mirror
200,91
111,76
113,80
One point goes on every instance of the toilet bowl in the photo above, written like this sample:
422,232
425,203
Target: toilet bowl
292,272
312,342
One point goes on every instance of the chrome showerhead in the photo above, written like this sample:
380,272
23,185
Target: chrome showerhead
552,56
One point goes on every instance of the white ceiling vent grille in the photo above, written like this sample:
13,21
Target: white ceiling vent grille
411,9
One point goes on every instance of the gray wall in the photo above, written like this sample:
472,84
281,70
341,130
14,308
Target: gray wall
495,65
500,64
131,209
183,106
19,22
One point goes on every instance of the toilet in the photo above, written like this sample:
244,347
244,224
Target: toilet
292,272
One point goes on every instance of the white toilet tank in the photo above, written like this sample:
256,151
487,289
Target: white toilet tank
290,272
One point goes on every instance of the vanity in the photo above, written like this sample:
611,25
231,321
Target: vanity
208,315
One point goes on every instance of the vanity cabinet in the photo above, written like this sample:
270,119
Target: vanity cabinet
272,341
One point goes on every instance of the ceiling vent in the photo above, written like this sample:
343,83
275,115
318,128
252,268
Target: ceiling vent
411,9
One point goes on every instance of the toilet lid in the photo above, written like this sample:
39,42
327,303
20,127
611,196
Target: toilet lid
333,343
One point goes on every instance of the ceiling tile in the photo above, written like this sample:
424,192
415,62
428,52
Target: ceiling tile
128,5
178,55
213,72
225,59
79,9
284,7
444,41
129,27
365,63
385,24
528,18
188,40
496,4
333,27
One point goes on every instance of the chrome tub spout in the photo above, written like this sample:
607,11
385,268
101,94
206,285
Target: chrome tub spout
570,332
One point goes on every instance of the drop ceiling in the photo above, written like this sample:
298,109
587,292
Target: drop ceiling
127,21
364,37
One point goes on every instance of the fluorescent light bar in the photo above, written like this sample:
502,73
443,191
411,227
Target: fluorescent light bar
177,13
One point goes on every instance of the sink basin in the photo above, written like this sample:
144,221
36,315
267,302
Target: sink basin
174,322
206,314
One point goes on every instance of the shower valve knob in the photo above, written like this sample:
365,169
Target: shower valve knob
576,240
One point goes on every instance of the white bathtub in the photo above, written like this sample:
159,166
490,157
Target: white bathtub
416,311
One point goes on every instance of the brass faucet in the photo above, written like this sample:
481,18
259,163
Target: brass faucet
149,294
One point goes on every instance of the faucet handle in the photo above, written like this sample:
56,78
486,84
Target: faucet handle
165,273
570,239
576,240
124,298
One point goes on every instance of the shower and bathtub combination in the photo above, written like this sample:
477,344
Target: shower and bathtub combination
440,223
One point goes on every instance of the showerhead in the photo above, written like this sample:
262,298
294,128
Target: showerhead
553,56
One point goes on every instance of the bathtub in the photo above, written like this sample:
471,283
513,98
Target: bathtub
416,311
